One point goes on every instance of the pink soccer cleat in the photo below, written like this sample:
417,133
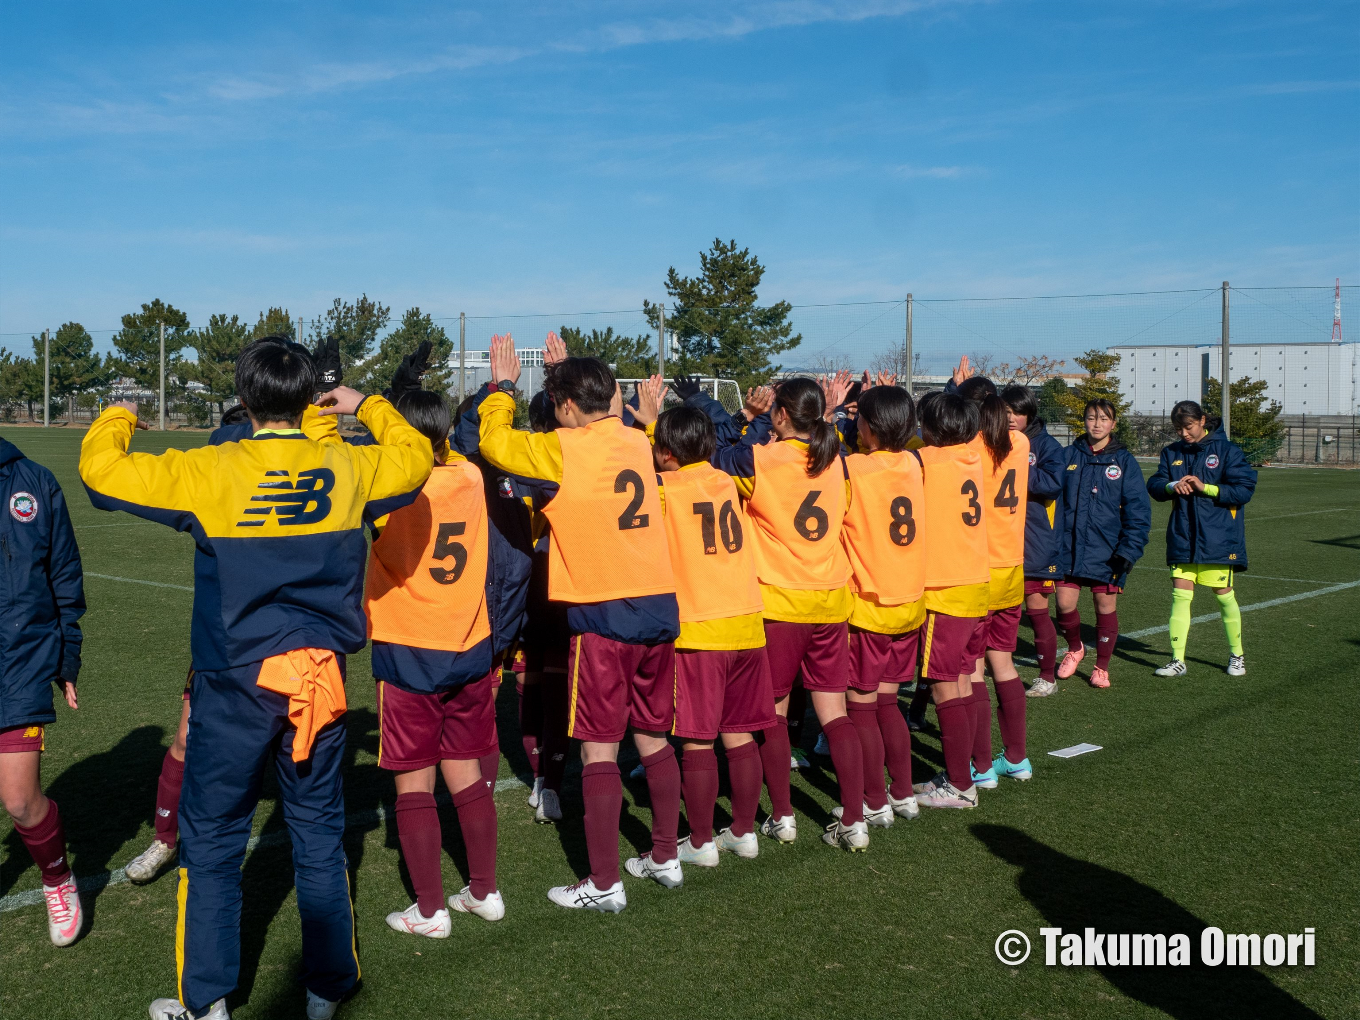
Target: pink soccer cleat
1100,677
64,916
1071,660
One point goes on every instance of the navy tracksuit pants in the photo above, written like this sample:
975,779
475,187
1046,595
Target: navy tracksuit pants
235,730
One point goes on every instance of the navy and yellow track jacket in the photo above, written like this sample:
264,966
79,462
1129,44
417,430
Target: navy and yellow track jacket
42,595
277,521
1043,511
1209,527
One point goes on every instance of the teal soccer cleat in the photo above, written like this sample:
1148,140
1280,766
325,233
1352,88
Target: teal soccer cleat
1002,767
984,780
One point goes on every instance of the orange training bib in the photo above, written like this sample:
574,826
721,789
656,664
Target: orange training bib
884,527
710,541
427,571
957,551
797,520
608,538
1005,488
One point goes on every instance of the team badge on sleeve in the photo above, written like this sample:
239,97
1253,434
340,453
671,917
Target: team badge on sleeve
1211,461
1031,458
23,507
1113,473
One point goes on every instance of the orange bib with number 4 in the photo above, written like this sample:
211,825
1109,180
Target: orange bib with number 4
884,536
797,520
427,570
608,539
1005,488
957,551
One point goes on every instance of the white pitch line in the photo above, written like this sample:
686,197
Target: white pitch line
138,580
1302,513
93,883
1252,575
1268,604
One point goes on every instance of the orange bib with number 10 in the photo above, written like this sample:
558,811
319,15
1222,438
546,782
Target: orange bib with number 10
884,533
710,541
797,520
427,570
608,539
957,551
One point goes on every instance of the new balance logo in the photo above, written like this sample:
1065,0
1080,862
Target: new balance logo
305,502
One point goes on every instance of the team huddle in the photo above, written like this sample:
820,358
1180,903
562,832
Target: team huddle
684,575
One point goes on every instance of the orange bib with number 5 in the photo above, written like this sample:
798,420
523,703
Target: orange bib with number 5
797,520
608,539
957,551
426,583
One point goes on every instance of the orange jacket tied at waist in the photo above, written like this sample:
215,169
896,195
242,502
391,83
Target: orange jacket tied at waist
315,687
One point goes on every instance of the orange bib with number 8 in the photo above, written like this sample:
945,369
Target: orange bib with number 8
884,536
797,520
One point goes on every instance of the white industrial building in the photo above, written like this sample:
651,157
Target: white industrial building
1321,378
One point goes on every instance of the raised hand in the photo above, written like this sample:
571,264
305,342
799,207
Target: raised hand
326,357
759,400
504,361
834,388
685,386
341,400
651,392
885,379
963,372
407,376
554,349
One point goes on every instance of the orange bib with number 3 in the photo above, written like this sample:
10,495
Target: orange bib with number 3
797,520
427,571
884,533
608,540
710,542
957,551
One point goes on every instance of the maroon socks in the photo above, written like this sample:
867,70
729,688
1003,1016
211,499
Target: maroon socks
1107,633
167,799
1070,625
701,793
490,763
477,818
530,722
1045,642
956,739
663,785
1010,714
980,714
602,792
46,841
774,760
552,756
848,761
864,717
896,744
418,830
744,773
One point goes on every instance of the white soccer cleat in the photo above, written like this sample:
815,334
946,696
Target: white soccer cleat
667,874
1041,688
147,865
785,829
905,808
1173,668
853,837
319,1008
584,895
413,922
490,909
173,1009
880,819
930,785
1237,665
534,791
549,807
949,796
705,856
745,846
798,760
64,914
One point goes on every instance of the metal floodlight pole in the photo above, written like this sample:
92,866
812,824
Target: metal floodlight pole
462,354
1223,373
47,376
661,339
162,386
906,350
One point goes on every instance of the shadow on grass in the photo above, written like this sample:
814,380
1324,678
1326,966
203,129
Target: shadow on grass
1074,894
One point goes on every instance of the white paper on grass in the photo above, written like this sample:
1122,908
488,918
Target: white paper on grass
1074,750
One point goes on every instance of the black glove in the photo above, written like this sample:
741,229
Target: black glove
407,376
326,357
234,415
1120,566
685,386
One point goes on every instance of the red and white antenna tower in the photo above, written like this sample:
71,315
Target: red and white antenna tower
1336,314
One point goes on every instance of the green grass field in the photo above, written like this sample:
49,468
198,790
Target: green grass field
1216,801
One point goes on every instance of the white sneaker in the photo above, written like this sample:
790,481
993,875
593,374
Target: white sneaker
667,874
148,864
1041,688
822,747
854,837
1237,665
173,1009
906,808
948,796
412,921
745,846
783,829
585,896
64,914
705,856
1173,668
880,819
490,909
549,807
930,785
534,791
322,1009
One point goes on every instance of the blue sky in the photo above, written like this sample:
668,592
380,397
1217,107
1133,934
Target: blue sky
554,157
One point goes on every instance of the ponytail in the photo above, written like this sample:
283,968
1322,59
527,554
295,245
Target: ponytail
995,425
824,445
802,400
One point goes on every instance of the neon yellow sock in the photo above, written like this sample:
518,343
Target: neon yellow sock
1181,598
1232,621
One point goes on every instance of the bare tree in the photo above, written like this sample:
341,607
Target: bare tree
1036,369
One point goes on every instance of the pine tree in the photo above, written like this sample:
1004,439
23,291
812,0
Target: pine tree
73,367
416,327
356,326
1098,384
218,345
275,322
1255,428
633,357
139,345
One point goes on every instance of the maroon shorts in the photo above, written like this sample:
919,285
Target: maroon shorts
882,658
1003,627
21,738
419,730
1097,587
722,692
820,650
613,685
952,645
1036,587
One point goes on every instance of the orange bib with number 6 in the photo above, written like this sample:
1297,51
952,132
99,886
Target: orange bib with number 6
427,571
710,540
797,520
957,551
608,540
